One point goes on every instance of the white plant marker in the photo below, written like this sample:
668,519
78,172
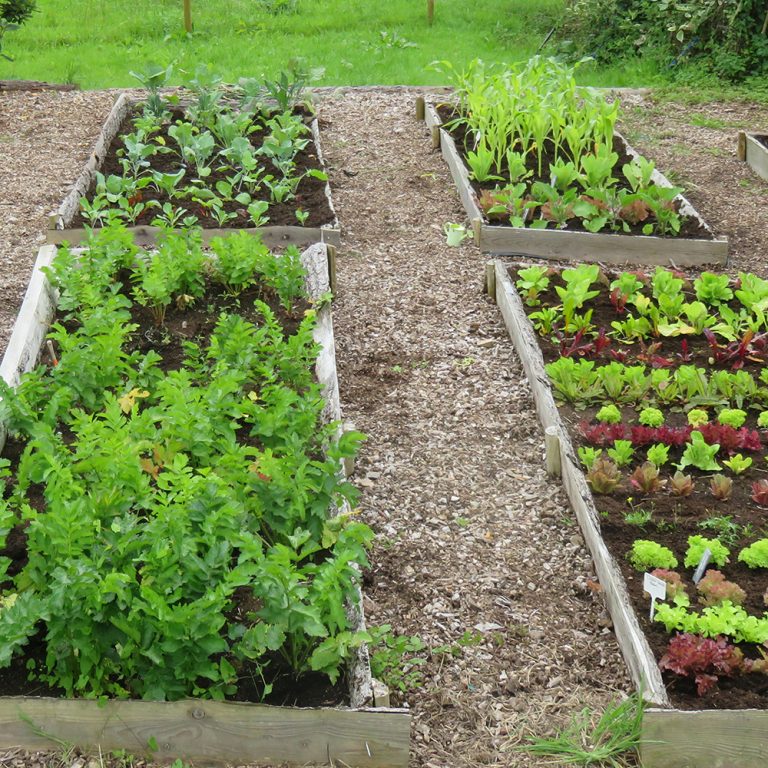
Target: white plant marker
706,556
656,588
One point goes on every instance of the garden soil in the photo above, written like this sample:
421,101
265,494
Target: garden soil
476,549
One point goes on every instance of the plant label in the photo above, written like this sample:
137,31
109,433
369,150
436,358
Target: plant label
656,588
702,566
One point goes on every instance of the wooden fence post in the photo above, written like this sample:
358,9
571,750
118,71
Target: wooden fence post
188,16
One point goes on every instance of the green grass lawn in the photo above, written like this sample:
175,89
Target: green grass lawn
96,43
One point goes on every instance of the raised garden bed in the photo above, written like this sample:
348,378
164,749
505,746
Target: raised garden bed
197,729
678,731
753,149
534,195
68,225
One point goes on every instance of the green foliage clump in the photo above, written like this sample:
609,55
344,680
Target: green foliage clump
17,11
651,417
187,534
723,37
609,414
648,555
756,554
696,546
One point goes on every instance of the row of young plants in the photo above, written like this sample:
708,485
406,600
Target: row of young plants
727,316
543,151
230,152
677,418
177,517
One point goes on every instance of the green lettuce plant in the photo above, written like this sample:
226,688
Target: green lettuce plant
700,455
647,555
755,555
696,546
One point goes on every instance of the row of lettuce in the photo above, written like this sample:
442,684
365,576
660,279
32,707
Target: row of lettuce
178,519
669,374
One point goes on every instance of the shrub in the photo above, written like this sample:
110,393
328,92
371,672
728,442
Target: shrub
17,11
721,37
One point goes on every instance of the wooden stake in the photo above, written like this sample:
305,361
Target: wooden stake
552,450
741,149
490,279
435,137
332,268
188,16
380,694
477,229
420,108
430,12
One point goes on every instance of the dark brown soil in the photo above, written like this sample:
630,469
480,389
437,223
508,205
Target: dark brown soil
761,138
674,519
310,195
196,324
690,228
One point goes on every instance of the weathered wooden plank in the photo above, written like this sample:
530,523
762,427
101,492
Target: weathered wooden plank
607,248
705,739
632,642
741,147
273,237
217,732
757,156
581,246
333,225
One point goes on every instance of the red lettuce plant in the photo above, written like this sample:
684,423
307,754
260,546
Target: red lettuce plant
680,484
646,478
714,588
674,436
603,435
702,659
760,492
729,439
674,581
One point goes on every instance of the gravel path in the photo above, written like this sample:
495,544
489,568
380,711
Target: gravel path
473,536
45,139
476,549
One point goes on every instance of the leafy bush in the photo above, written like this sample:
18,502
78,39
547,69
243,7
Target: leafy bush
17,11
724,36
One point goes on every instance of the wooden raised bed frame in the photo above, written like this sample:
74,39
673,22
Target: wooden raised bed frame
561,244
60,223
754,152
361,735
671,738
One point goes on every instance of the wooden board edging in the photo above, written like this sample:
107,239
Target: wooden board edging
274,236
570,245
238,732
634,646
756,155
210,731
717,738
